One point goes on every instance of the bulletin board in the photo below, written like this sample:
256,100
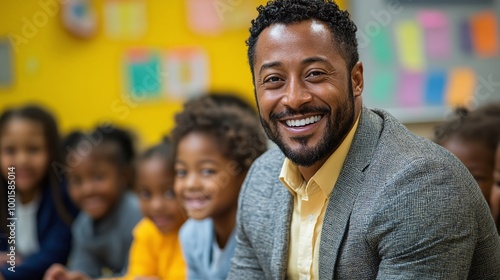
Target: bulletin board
422,58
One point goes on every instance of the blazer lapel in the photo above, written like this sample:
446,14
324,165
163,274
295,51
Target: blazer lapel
283,209
346,189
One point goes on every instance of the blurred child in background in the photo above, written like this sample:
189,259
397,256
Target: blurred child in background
495,192
156,251
492,112
472,138
216,139
29,143
99,178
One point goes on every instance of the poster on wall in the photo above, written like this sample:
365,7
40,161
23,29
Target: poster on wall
79,18
125,19
213,17
173,74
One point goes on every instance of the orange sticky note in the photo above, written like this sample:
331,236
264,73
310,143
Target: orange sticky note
484,34
462,82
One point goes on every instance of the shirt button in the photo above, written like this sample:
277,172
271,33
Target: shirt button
311,218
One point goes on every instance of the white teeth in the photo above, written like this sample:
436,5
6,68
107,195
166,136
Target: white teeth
302,122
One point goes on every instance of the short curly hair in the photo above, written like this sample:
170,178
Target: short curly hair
232,123
292,11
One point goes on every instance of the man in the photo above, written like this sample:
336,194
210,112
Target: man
352,194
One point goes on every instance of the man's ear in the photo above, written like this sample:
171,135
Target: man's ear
357,79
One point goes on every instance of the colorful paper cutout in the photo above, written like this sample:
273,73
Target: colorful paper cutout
383,87
484,34
6,63
187,73
461,85
179,73
143,74
436,32
203,18
212,17
410,89
125,19
381,47
465,37
410,45
435,87
79,18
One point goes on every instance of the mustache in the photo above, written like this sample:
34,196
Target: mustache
301,111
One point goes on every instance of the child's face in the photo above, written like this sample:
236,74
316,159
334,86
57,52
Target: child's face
95,185
22,145
477,158
206,182
156,194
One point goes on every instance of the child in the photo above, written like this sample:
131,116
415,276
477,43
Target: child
29,143
156,250
99,175
216,140
472,138
495,191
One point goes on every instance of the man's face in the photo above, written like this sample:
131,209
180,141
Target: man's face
304,90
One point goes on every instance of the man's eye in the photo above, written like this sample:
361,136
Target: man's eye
273,79
315,73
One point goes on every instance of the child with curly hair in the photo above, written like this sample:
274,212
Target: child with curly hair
472,138
216,139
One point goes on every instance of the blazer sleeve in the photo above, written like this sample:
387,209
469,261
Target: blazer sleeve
244,264
54,241
427,224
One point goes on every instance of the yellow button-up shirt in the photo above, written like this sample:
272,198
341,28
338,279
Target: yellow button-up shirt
310,201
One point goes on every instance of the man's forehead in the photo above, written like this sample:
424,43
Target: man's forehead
313,26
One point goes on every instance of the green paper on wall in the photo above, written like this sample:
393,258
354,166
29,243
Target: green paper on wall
383,87
381,47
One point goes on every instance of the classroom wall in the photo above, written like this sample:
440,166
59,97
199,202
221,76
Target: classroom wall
81,80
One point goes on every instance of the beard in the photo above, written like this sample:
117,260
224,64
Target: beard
338,125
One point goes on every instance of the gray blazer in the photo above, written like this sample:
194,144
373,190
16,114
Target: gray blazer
402,208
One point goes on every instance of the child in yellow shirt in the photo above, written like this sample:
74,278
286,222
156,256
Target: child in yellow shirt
156,250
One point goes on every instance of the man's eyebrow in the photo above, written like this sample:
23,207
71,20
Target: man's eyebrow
306,61
314,59
269,65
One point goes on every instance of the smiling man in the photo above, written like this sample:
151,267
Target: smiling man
351,193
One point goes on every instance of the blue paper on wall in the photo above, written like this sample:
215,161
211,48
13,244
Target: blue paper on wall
435,87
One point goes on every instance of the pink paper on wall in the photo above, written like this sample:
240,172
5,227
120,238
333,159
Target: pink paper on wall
436,29
411,88
203,17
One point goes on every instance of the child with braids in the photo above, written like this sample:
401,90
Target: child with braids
216,139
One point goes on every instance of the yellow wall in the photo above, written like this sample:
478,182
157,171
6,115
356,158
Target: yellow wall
79,80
